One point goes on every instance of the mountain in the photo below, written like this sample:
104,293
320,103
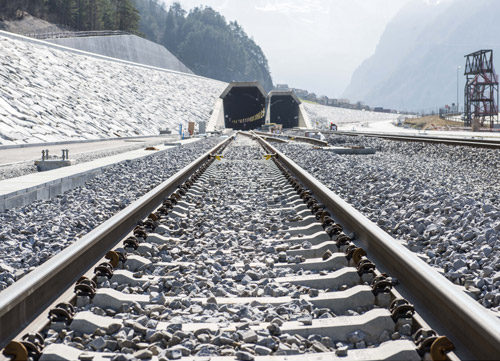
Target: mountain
414,66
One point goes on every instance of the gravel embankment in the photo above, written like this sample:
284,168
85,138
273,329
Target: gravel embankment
442,201
74,97
32,234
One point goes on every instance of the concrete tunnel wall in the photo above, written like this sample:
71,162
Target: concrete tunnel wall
284,109
244,106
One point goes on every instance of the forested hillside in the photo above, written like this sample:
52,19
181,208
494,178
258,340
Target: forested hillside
205,42
78,14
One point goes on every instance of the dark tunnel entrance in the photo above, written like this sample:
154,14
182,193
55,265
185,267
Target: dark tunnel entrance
244,106
284,109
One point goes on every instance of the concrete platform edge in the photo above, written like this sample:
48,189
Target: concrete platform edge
53,188
75,141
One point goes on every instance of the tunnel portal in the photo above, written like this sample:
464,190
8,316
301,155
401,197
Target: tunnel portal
244,105
284,108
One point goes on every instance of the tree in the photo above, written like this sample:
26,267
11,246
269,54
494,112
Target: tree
153,17
62,12
108,18
127,16
208,45
79,14
174,23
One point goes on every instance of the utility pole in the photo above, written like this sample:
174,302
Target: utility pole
458,108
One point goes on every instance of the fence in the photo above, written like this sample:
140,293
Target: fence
75,34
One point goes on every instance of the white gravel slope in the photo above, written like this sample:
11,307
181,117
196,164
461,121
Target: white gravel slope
442,201
49,95
322,115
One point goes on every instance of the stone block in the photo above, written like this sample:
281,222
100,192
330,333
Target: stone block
44,165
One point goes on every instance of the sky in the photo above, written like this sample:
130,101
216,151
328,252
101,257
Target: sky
310,44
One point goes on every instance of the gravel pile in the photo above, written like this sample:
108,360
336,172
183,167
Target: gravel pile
221,249
321,115
443,202
32,234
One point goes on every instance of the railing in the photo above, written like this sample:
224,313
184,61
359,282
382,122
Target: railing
75,34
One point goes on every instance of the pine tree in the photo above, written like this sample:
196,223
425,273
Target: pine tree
127,16
174,23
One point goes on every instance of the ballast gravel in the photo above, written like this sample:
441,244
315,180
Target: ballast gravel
441,201
32,234
228,225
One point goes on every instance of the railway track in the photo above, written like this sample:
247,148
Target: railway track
241,255
471,142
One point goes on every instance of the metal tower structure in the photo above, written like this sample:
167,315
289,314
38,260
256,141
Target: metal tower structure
481,88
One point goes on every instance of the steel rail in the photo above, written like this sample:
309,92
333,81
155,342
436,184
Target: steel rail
480,143
23,301
274,139
458,316
424,136
298,138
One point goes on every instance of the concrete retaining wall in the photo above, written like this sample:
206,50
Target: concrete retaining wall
46,190
216,121
304,121
268,113
92,96
27,145
126,47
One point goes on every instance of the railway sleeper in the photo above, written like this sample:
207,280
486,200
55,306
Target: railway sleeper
394,350
357,297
